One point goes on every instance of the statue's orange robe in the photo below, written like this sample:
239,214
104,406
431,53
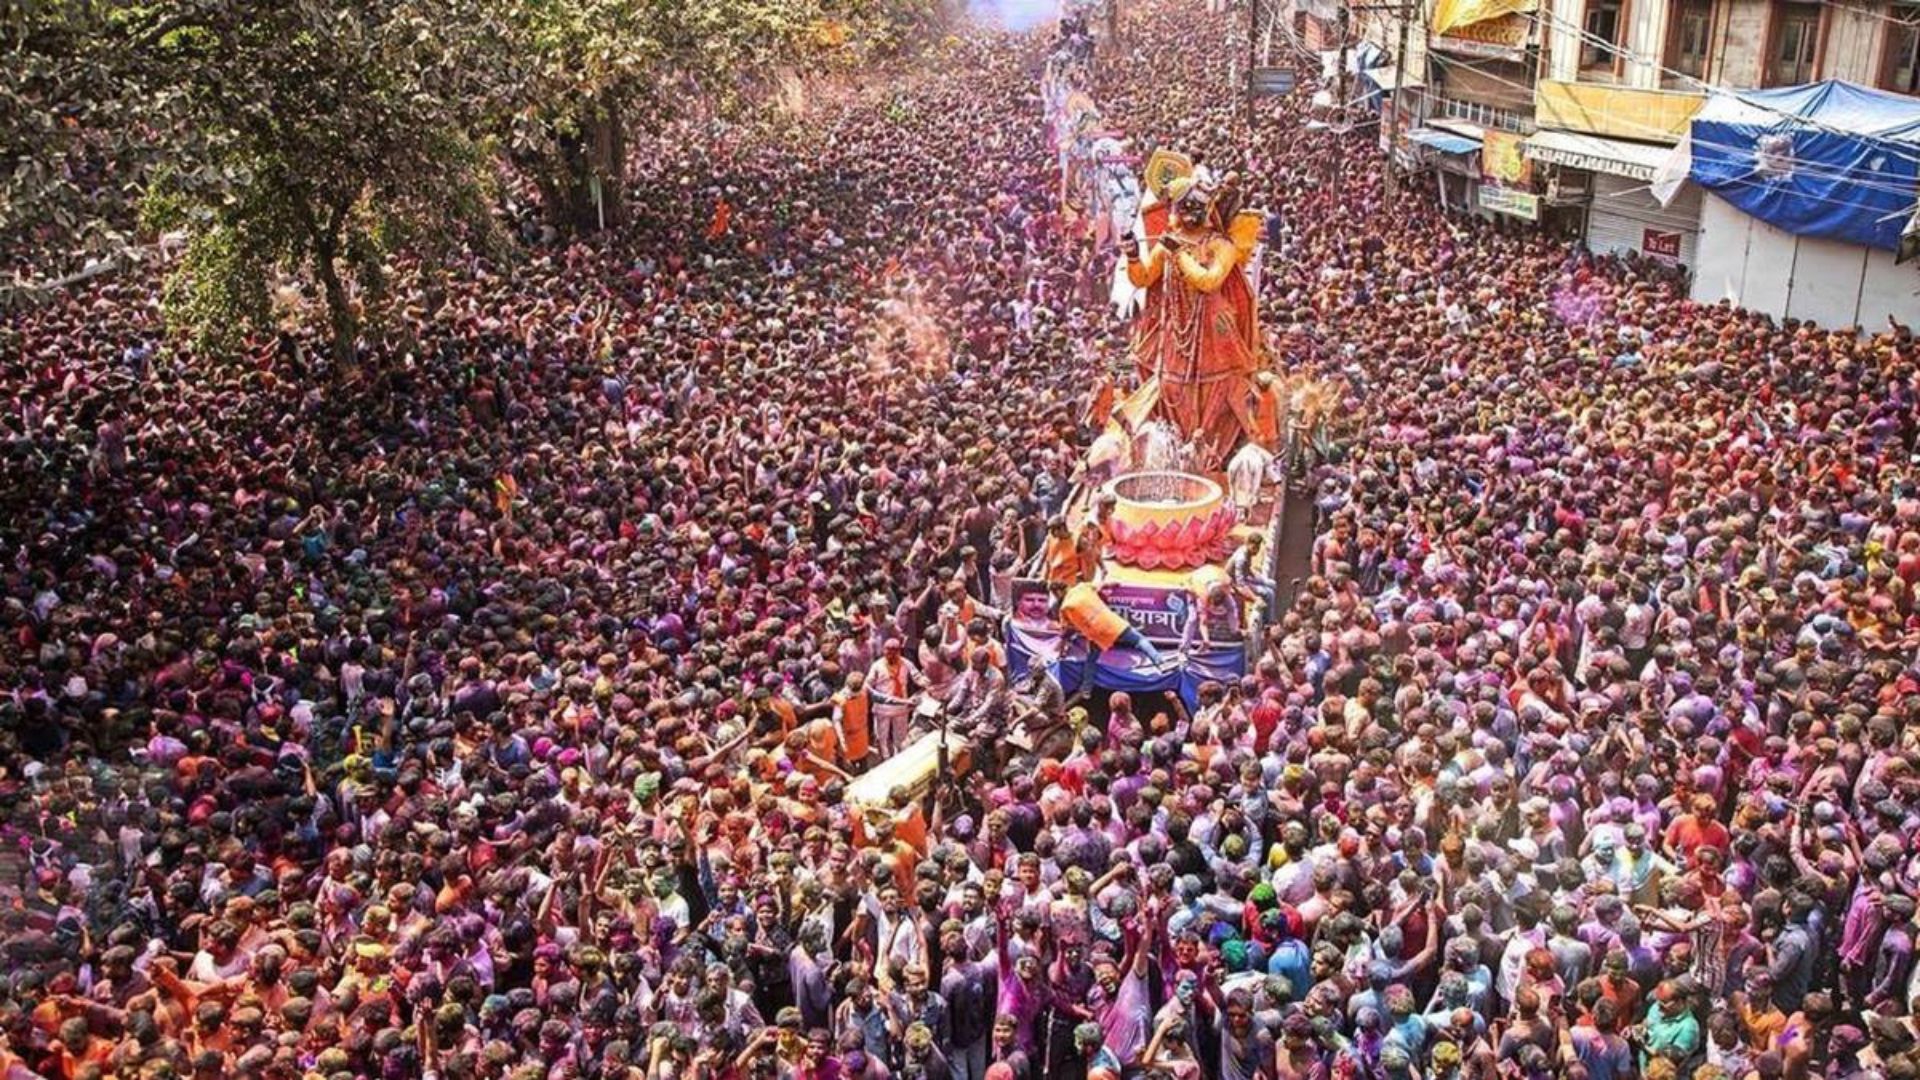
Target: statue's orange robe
1197,333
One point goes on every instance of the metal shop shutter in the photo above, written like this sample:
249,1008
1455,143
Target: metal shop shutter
1623,210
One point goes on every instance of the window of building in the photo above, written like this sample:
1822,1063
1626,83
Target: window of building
1796,43
1689,40
1901,70
1604,24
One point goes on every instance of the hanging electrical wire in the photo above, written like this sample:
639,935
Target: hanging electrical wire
1890,182
1605,45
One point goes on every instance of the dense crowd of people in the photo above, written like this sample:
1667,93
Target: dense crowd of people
487,708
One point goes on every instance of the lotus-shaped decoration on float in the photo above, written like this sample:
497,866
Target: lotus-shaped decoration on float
1168,520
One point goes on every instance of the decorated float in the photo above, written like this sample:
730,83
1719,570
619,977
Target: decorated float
1183,470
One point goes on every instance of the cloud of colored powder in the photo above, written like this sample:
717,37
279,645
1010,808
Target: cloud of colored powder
1016,15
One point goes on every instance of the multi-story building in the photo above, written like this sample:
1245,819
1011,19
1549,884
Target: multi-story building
1459,74
1600,93
1621,82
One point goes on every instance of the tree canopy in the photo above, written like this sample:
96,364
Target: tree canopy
318,139
329,133
76,133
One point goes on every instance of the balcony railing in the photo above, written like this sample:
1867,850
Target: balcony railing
1472,112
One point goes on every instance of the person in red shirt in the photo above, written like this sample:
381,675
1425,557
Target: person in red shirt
1694,830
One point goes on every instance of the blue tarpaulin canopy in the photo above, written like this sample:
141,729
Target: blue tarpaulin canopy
1122,669
1829,159
1444,141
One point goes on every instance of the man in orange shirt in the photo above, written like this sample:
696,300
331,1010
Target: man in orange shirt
853,715
814,749
1269,409
1092,541
1060,559
1085,612
1695,830
79,1048
980,640
909,822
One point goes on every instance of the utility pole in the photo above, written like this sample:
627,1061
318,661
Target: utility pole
1253,34
1336,125
1392,183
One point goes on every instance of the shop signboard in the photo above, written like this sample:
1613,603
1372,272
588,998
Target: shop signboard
1521,204
1503,160
1660,244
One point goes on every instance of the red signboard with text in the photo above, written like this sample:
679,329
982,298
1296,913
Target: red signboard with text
1660,244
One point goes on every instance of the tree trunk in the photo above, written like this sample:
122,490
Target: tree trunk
339,308
597,152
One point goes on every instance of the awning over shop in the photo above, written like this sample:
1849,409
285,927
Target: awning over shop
1388,77
1637,161
1444,141
1458,127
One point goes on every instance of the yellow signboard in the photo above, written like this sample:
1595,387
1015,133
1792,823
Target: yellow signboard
1448,14
1503,160
1500,38
1643,115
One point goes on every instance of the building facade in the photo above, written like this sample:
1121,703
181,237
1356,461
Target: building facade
1600,92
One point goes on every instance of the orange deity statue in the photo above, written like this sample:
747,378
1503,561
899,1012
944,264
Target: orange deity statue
1196,339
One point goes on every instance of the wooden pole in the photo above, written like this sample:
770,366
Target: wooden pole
1391,180
1341,22
1253,34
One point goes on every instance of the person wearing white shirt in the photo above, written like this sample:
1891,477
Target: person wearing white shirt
891,683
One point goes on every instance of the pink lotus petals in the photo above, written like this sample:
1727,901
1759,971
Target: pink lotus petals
1183,543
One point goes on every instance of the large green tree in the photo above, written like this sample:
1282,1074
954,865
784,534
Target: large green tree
76,138
317,138
579,74
325,135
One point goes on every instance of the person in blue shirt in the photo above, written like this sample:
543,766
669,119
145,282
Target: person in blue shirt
1407,1028
1288,957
